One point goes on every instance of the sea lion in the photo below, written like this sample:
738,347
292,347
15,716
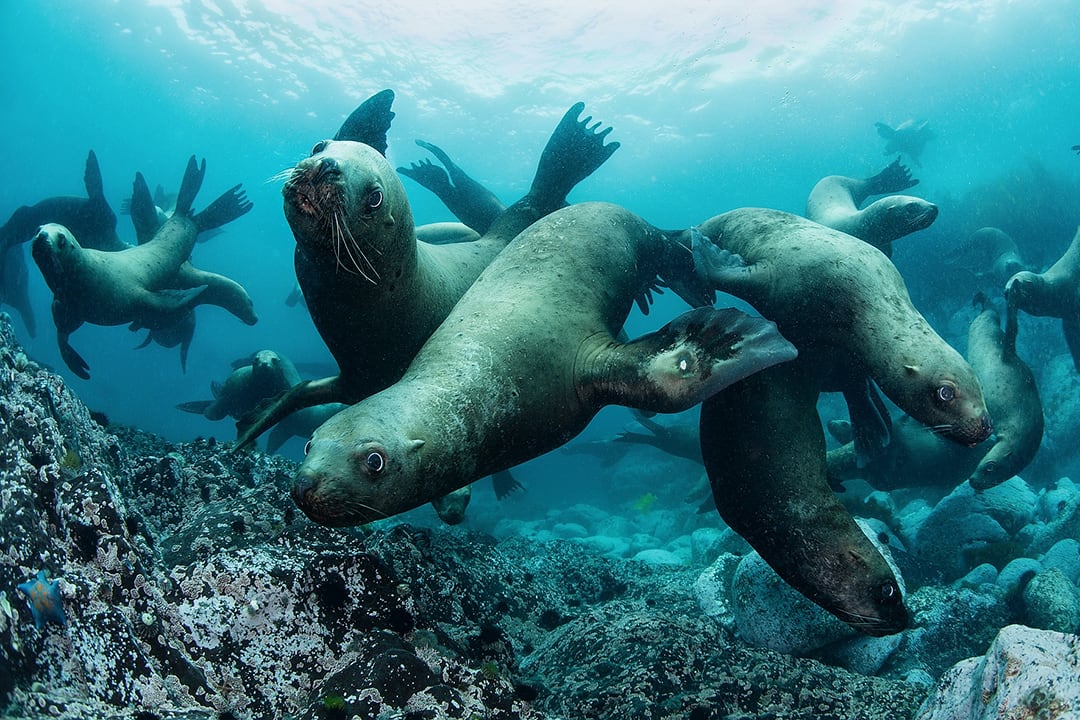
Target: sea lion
679,439
909,137
1011,397
132,285
1053,293
990,255
472,203
374,291
843,304
834,202
525,359
14,286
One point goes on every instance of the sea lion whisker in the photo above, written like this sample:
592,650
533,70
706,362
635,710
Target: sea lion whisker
359,250
340,230
283,174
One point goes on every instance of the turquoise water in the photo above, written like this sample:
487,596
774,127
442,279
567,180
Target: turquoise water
716,105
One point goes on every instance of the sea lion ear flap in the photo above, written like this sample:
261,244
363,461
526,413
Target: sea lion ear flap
416,444
911,369
369,122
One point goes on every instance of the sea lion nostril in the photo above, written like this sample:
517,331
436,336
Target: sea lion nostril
327,166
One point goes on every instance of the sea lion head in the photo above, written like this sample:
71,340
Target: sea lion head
54,248
345,203
946,396
900,215
859,588
362,465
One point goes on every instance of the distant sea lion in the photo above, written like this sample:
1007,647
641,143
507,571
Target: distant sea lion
132,285
14,286
374,291
835,200
525,359
909,137
1053,293
680,440
1011,397
990,255
471,202
843,304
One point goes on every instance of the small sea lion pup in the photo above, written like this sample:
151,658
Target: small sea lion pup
843,304
1011,396
376,292
135,285
835,200
1053,293
525,359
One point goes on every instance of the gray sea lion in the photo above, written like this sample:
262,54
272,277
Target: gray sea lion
254,378
834,202
680,439
990,255
909,137
1011,397
374,291
525,359
1053,293
472,203
132,285
14,286
843,304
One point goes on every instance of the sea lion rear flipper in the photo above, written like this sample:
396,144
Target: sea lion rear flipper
369,122
691,358
884,130
72,359
892,179
190,185
197,407
573,152
272,410
230,205
471,202
95,186
871,424
143,212
504,484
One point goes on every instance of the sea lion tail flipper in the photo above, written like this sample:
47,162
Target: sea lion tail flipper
142,210
95,186
369,122
272,410
573,152
871,424
230,205
690,359
504,484
190,185
198,407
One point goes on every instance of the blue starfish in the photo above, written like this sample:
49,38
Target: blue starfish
45,601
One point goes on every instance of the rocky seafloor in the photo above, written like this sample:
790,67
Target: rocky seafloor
191,588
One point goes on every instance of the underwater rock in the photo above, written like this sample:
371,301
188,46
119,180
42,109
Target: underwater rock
1026,673
1065,556
1051,602
1057,517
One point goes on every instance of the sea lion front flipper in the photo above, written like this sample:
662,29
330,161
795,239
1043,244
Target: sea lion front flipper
190,185
95,185
504,484
198,407
230,205
871,424
764,451
691,358
369,122
573,152
273,410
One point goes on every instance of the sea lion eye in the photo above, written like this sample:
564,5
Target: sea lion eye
307,447
888,593
375,462
946,393
319,147
374,199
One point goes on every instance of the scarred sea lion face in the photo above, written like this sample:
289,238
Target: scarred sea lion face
346,204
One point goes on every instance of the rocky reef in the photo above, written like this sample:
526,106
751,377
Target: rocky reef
144,579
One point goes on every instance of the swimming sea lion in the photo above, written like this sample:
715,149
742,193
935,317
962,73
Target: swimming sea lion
254,378
1053,293
835,200
472,203
525,359
843,304
1011,397
374,292
909,137
131,285
990,255
14,286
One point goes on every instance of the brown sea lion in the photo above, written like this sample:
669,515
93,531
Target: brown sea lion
525,360
843,304
135,285
834,202
374,291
